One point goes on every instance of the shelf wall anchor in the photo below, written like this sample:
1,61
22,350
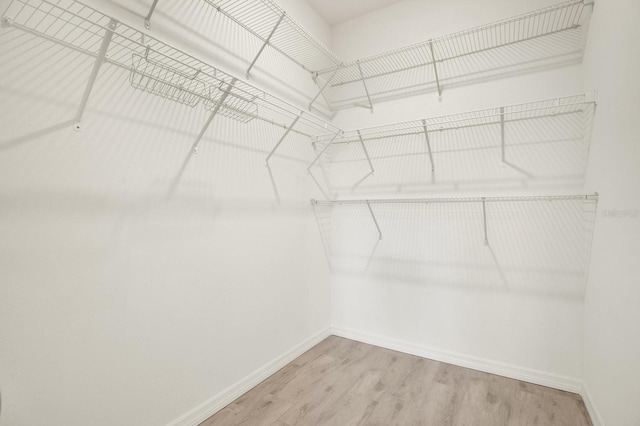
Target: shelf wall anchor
102,53
373,216
266,42
283,136
426,136
194,148
147,19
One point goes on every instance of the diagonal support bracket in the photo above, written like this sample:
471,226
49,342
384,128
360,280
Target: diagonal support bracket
502,133
426,136
484,221
324,86
321,166
283,137
102,53
366,90
435,70
266,42
147,19
323,151
364,148
219,104
373,216
314,77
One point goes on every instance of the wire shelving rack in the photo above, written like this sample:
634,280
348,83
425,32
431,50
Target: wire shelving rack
521,41
481,202
268,22
539,38
366,145
155,67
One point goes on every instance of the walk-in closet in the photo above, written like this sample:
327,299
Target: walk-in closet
319,212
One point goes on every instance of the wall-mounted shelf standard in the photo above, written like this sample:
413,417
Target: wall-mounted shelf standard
154,66
510,133
273,27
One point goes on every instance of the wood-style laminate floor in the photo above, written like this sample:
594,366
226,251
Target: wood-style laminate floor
342,382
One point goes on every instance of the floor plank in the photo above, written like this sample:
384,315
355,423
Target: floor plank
342,382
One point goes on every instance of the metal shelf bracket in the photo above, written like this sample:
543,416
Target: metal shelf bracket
283,137
484,221
426,136
502,133
215,110
266,42
364,83
322,152
106,40
364,148
324,86
373,216
147,19
435,70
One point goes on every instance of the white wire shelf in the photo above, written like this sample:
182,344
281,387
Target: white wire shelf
585,197
274,27
522,133
542,38
501,242
155,67
516,44
480,201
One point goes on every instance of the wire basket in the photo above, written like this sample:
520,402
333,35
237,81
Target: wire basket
158,79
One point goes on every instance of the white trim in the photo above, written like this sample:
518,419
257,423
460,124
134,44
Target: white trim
565,383
208,408
596,419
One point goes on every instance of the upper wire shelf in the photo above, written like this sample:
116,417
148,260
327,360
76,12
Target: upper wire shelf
536,38
273,26
155,66
546,37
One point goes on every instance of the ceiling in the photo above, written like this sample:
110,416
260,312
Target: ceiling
335,12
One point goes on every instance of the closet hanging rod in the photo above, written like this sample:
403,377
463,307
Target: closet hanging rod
82,28
584,197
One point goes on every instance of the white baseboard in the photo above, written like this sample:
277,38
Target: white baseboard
225,397
596,419
565,383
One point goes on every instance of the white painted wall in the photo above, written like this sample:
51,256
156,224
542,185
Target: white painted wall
430,284
121,304
112,290
612,318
